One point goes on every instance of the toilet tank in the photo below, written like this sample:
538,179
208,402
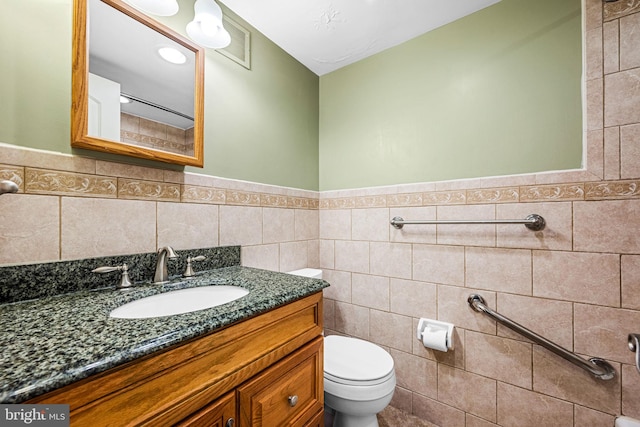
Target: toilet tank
627,422
307,272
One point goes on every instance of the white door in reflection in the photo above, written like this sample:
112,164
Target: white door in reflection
104,108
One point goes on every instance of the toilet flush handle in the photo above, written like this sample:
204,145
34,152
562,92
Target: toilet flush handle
293,400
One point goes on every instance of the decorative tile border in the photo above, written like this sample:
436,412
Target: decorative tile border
273,200
456,197
243,198
54,182
339,203
60,183
564,192
406,199
42,181
612,190
493,195
302,203
198,194
13,173
148,190
534,193
620,8
371,201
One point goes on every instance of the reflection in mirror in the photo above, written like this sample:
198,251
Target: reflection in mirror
138,86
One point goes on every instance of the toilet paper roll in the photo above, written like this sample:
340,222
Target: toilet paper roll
435,339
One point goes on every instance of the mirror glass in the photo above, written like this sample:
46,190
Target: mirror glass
127,98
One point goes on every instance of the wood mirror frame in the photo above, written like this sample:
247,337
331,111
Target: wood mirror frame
80,137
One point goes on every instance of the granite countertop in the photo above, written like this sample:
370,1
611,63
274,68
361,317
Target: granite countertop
50,342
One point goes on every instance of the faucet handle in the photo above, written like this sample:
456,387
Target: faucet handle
188,272
124,279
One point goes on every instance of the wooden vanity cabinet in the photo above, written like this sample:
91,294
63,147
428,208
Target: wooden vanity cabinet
216,414
249,371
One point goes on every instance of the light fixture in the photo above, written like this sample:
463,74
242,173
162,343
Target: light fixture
172,55
155,7
206,29
124,100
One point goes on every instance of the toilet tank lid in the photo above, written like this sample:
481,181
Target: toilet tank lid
355,359
627,422
308,272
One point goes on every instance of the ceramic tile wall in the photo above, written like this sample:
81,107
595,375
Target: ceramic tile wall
576,283
70,207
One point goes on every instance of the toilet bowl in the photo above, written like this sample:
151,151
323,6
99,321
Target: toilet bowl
359,377
359,380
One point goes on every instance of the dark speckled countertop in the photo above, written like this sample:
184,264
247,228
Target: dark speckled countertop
55,340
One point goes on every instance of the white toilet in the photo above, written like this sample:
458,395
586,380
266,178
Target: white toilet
359,377
359,380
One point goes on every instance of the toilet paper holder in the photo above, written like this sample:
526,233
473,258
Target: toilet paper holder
430,325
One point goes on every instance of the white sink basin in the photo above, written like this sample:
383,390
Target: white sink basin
180,301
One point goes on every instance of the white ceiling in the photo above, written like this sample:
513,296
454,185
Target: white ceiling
325,35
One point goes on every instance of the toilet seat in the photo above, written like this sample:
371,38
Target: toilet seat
353,361
357,370
345,381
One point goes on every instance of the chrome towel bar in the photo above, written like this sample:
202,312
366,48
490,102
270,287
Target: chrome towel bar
533,222
599,368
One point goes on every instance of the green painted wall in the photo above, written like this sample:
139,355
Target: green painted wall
261,124
495,93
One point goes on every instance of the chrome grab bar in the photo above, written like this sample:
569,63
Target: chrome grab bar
597,367
533,222
634,346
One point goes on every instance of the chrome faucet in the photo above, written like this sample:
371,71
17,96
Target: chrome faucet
161,275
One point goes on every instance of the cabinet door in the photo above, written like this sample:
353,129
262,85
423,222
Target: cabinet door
290,393
221,413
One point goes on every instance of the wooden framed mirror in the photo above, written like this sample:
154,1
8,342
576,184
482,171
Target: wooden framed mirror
116,59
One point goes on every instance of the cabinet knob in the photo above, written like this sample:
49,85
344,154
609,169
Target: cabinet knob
293,400
230,422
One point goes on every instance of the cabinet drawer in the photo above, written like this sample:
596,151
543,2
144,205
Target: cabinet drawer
290,393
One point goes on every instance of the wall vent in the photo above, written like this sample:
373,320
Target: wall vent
239,50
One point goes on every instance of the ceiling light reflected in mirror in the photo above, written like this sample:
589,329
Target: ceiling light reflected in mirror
172,55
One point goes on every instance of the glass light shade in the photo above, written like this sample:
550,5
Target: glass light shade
155,7
206,29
